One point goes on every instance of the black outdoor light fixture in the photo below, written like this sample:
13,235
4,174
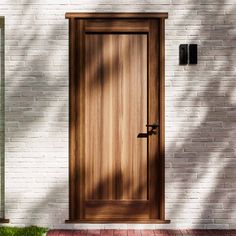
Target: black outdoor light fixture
183,54
192,53
187,54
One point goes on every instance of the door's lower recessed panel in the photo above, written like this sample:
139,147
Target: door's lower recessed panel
118,209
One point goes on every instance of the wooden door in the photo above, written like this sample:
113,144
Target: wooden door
116,94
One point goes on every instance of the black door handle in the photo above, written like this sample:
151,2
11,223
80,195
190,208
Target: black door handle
142,135
153,126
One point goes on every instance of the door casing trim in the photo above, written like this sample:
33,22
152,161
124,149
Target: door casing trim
77,29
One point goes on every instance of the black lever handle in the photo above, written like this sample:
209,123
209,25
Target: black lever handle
150,132
142,135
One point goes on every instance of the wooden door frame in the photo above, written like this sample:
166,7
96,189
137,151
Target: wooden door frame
77,29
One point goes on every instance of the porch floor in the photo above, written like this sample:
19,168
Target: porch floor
141,232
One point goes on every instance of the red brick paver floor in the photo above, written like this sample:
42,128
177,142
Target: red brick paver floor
115,232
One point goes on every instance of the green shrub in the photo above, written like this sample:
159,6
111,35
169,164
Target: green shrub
27,231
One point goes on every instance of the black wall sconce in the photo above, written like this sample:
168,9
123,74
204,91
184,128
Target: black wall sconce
192,53
187,54
183,54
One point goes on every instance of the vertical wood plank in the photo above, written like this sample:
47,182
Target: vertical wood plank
80,124
72,119
153,117
116,111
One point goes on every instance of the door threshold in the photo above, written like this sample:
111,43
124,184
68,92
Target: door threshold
120,221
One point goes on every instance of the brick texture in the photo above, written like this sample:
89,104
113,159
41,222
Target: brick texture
142,233
200,111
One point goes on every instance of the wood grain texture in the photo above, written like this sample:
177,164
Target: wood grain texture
72,119
116,88
116,25
116,111
153,117
80,120
118,209
115,15
123,220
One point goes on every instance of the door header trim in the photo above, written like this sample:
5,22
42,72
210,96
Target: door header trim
136,15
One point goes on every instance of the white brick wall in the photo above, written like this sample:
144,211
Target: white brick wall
2,142
200,110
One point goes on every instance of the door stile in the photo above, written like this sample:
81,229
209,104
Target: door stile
153,117
72,119
80,139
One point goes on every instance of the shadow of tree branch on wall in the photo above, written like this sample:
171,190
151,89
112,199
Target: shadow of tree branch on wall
200,163
36,116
